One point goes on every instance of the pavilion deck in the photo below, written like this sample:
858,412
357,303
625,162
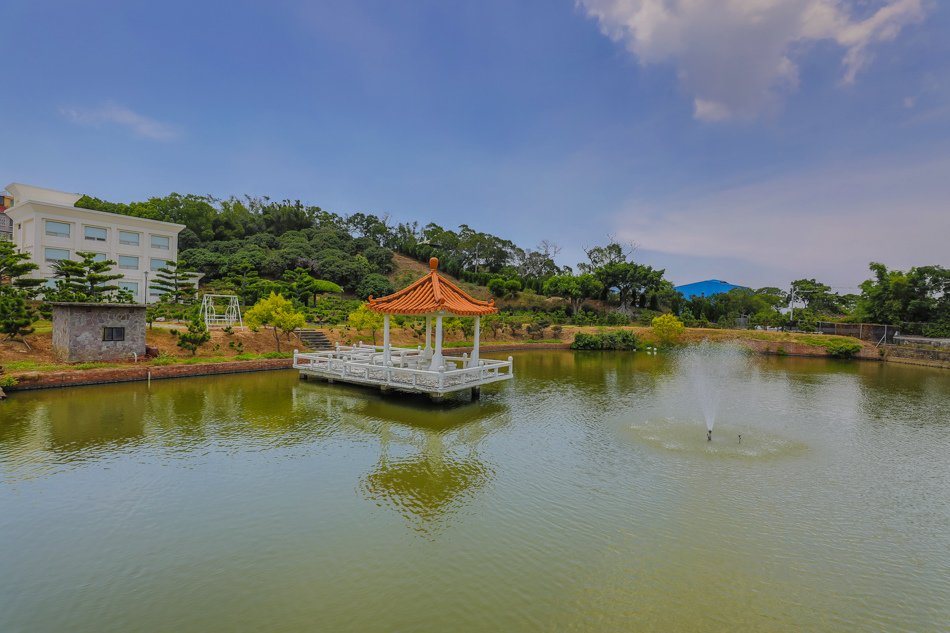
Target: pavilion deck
408,369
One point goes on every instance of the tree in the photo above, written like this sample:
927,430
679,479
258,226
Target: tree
195,336
276,312
667,328
14,268
16,317
497,287
174,283
303,287
574,289
363,319
817,296
512,287
921,294
86,281
374,284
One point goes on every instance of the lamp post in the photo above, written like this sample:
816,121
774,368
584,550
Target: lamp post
145,301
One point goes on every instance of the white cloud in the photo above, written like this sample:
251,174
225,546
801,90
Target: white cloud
828,223
113,114
735,57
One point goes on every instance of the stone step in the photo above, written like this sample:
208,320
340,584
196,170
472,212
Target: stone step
314,339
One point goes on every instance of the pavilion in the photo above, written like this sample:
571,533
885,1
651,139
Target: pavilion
423,369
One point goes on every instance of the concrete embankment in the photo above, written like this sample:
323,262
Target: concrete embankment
52,379
916,356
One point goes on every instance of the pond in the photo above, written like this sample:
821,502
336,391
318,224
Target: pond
581,496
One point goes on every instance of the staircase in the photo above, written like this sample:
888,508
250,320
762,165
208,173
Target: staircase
314,339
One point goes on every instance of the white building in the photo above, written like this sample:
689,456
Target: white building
48,226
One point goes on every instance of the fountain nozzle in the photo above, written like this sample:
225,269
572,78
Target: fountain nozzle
709,435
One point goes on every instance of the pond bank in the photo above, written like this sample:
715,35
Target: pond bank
78,377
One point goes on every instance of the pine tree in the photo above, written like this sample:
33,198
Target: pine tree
14,268
86,281
173,283
196,336
16,317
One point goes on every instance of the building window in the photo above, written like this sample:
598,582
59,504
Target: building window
131,286
95,234
113,334
128,262
155,264
161,242
57,229
129,238
56,254
98,257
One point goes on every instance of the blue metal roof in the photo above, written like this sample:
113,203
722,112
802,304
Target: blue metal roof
706,288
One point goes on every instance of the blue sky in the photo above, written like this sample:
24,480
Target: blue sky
756,141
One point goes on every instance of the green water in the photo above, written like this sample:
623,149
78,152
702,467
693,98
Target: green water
581,496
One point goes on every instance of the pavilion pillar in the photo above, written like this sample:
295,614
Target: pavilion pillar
428,347
437,359
386,339
478,328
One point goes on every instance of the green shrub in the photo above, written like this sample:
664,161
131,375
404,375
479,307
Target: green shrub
618,340
164,358
7,382
668,329
496,286
842,349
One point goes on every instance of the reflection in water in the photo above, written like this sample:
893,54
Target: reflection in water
428,462
576,497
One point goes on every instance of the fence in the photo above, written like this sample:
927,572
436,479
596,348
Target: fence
874,332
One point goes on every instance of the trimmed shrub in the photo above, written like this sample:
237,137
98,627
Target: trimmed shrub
842,349
619,340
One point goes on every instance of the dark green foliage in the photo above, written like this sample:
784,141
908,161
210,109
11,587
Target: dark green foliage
14,268
843,349
920,295
195,336
374,285
85,281
16,317
497,287
174,283
617,340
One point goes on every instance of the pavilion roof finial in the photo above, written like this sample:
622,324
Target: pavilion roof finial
433,264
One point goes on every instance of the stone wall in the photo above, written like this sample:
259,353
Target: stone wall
75,378
78,331
913,356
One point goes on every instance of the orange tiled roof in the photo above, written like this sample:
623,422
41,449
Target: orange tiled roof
432,293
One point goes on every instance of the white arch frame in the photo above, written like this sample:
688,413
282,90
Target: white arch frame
232,313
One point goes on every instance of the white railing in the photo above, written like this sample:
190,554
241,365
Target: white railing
408,369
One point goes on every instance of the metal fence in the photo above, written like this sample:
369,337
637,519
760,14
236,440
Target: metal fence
874,332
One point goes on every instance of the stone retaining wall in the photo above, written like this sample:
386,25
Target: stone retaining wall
912,356
787,348
133,373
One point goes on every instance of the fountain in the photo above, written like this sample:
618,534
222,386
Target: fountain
710,368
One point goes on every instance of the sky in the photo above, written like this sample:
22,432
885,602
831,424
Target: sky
755,141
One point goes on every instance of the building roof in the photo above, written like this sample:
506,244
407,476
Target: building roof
706,288
433,293
89,304
26,193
